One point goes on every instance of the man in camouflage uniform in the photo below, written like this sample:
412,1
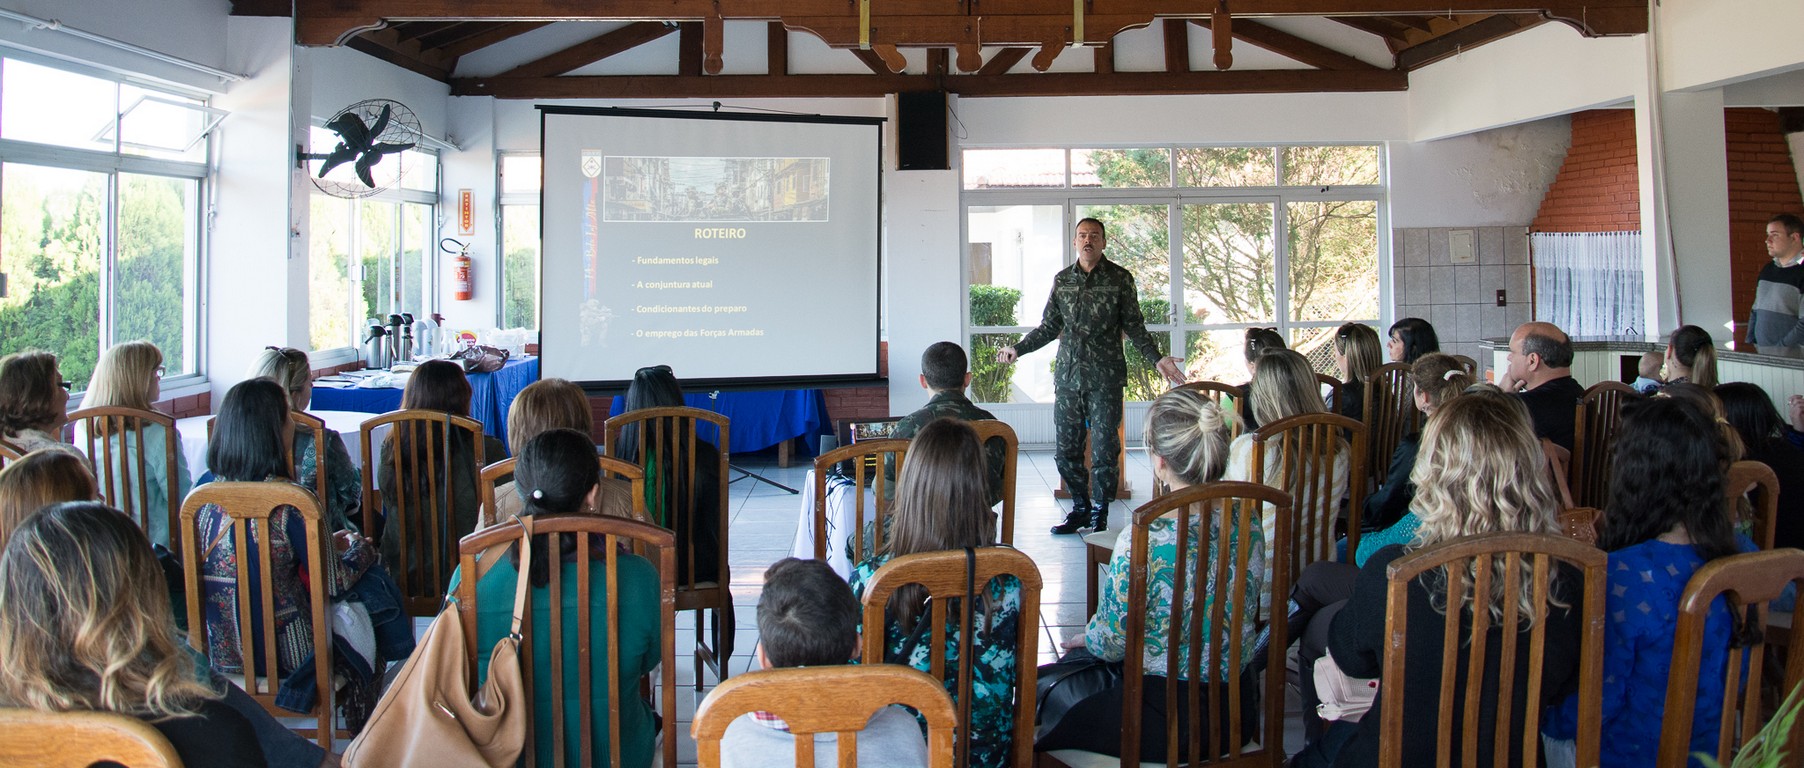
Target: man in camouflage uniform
1093,305
945,373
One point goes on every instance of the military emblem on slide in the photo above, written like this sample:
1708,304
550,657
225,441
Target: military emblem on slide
591,163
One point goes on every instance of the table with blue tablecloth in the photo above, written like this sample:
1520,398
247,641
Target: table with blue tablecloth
491,394
759,420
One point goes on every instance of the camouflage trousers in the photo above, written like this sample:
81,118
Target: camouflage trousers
1096,413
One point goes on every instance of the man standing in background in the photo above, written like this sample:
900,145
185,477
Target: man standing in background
1092,307
1774,326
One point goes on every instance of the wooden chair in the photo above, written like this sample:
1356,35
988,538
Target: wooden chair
9,454
1206,511
991,429
1390,414
795,696
312,424
1467,363
81,739
598,535
418,514
1216,391
670,436
1749,581
1303,448
1466,646
501,472
1580,523
867,457
1594,430
943,575
121,468
1760,485
248,508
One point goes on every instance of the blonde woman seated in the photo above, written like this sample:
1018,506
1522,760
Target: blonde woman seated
34,401
545,405
289,367
1187,441
85,626
130,375
39,479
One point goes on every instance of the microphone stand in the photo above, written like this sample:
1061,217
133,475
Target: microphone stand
714,405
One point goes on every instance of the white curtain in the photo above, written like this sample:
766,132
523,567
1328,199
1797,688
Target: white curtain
1589,283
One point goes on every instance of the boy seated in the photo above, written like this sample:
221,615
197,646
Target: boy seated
808,617
945,372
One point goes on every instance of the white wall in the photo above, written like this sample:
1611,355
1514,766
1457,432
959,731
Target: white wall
1488,178
1548,70
1709,43
344,76
1227,119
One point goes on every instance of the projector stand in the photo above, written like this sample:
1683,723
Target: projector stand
714,400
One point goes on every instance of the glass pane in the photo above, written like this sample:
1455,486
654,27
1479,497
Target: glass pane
1229,272
993,382
520,269
329,274
416,231
376,250
51,229
422,170
1226,167
1330,166
156,124
83,106
1014,250
1120,168
1140,240
1333,260
1316,344
1012,168
1216,355
519,173
152,292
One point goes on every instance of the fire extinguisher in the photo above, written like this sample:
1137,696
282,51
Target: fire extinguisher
460,267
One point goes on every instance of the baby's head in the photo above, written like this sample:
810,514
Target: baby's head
1650,365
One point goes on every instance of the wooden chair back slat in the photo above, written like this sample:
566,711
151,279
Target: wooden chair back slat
1467,363
1390,401
9,453
943,576
868,458
609,537
1760,485
317,427
794,695
1580,523
121,467
249,509
419,514
81,739
501,472
1303,449
1594,428
1748,581
1467,647
991,429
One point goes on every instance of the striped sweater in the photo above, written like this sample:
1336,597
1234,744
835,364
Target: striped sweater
1775,323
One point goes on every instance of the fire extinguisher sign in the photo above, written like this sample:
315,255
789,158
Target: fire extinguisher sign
466,212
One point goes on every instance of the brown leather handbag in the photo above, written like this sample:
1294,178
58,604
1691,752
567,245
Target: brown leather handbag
429,717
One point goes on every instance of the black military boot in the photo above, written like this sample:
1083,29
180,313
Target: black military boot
1099,517
1076,518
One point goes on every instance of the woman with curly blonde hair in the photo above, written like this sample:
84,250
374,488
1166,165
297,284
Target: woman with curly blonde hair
85,625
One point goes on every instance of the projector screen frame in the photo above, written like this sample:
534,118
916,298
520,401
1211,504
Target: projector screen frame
874,377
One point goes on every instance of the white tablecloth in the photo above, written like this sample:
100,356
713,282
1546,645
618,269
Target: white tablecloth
346,423
840,513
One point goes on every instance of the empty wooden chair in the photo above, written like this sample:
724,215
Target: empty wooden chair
80,740
949,578
418,518
1461,732
1760,486
115,439
602,538
1300,455
1390,414
991,429
686,477
250,512
867,459
1749,581
498,477
1594,430
1209,512
795,696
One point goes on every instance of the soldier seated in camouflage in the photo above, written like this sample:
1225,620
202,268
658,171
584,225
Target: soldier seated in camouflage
945,372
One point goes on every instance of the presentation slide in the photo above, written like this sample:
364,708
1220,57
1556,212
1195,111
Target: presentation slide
740,250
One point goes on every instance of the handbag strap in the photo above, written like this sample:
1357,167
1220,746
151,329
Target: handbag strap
524,583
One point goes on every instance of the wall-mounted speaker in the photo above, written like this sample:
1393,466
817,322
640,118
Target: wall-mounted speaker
921,137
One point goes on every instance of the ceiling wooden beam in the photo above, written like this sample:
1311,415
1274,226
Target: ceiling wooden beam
414,30
262,8
1288,45
872,60
1003,61
1470,36
1177,46
490,37
939,62
592,50
385,44
1420,23
1381,27
776,49
689,49
459,31
1031,84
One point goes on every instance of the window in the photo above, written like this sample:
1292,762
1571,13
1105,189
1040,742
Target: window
101,200
519,241
1219,239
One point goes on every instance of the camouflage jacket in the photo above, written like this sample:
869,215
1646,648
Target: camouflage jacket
1088,313
953,405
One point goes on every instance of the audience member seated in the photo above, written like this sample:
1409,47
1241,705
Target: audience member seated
699,526
38,479
941,505
85,626
545,405
289,367
1540,372
1750,411
34,401
130,375
1691,357
1356,354
1480,470
1438,379
1411,338
1706,402
437,385
945,373
1258,342
1187,441
807,617
1648,379
247,443
1666,518
555,473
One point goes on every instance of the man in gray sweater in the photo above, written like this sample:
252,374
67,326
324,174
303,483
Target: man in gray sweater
1776,324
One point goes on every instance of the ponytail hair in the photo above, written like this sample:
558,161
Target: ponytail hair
1694,349
1188,431
1440,377
554,474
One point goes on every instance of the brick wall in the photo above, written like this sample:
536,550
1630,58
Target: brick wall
181,407
862,402
1597,189
1762,181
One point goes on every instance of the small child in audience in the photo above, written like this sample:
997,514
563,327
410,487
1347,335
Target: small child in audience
808,617
1649,378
